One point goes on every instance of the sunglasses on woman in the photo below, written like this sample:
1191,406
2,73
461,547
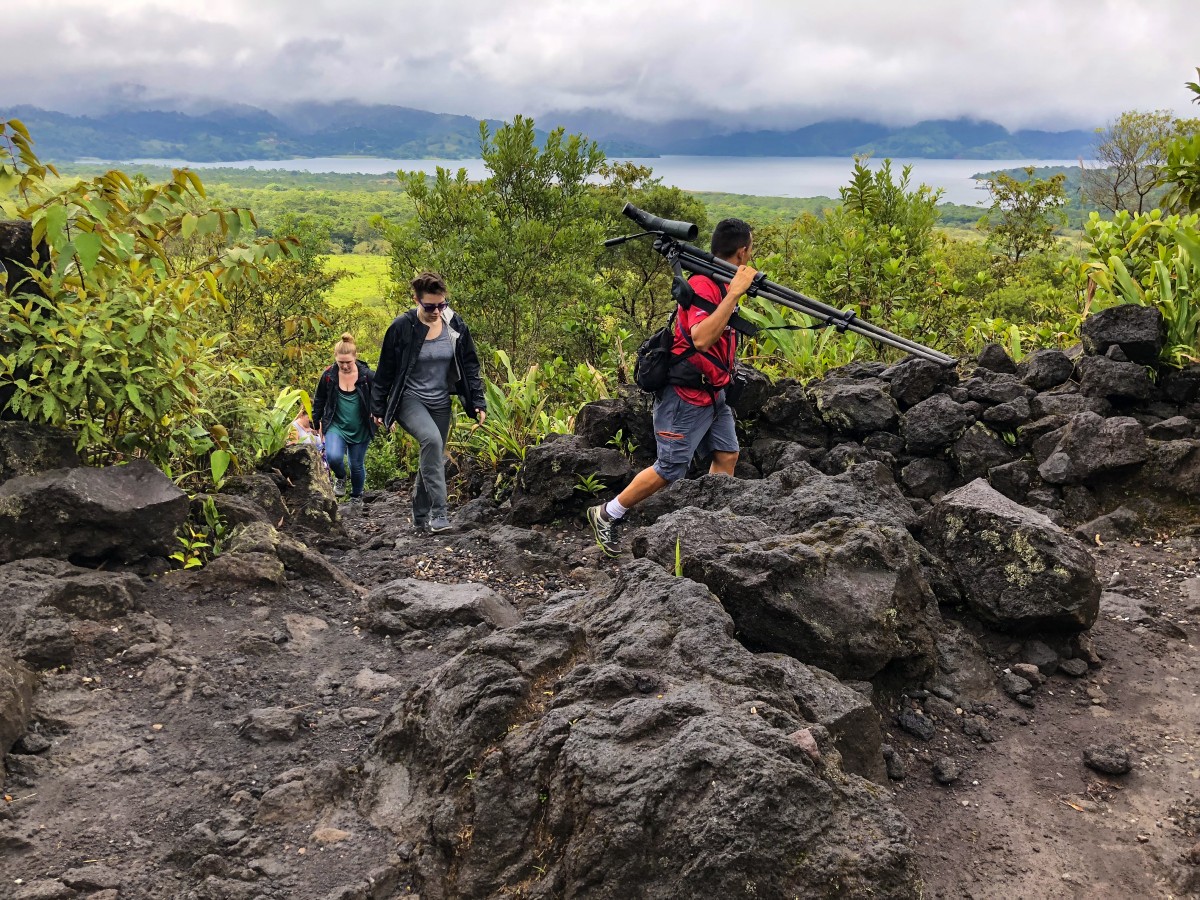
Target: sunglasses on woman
433,307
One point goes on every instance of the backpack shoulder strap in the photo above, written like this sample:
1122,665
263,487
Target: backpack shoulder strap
686,296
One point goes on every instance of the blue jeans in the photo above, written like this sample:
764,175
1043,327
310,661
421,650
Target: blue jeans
336,448
430,427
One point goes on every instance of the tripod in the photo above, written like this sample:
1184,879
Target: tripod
670,240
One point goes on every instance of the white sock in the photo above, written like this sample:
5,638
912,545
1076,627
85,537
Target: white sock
614,509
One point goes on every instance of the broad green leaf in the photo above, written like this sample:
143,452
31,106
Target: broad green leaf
87,246
219,461
55,222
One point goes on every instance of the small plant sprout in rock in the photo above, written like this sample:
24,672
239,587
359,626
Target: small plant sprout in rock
589,484
217,527
623,445
191,554
199,544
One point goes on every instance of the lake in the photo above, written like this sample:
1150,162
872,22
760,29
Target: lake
771,176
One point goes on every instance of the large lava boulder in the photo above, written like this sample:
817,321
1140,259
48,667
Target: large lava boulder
407,604
42,597
934,423
1091,446
1044,369
792,414
847,596
995,358
916,379
625,420
978,450
1139,331
27,449
118,512
305,488
550,484
791,500
1100,376
1018,570
748,392
855,407
625,745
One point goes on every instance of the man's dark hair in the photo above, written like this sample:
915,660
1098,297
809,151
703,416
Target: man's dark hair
428,283
730,236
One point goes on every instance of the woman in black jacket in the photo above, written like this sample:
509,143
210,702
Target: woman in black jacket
427,357
342,413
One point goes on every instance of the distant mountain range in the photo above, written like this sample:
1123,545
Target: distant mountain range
350,129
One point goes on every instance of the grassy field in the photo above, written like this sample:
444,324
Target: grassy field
367,282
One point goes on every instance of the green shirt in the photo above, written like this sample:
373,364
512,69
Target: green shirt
348,418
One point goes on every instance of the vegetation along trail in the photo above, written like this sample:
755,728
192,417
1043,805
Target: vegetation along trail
936,638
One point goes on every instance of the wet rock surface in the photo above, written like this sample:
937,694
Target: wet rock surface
538,720
1018,570
597,689
120,512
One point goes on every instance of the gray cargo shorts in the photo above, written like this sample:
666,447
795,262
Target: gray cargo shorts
681,429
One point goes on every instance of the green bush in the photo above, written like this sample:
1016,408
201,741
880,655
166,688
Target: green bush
1153,260
111,339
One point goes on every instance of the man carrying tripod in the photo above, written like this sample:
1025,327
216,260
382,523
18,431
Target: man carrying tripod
690,413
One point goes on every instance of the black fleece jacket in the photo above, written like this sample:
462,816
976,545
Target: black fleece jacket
402,345
325,399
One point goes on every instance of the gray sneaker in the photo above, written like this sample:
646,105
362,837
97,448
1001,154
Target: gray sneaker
604,529
440,523
339,487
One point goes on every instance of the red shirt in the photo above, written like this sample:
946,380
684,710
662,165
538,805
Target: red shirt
724,349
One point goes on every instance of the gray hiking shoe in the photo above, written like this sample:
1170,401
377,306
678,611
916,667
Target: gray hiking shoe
339,487
440,523
604,529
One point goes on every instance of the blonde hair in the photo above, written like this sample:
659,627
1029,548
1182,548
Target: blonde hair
345,345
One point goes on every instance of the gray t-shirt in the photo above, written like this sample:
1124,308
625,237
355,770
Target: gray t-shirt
429,380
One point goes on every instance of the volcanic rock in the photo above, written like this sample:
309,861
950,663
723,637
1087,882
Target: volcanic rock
1018,570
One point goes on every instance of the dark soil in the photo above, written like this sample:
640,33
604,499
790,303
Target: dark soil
151,779
1026,818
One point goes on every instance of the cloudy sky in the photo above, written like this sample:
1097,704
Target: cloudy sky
758,63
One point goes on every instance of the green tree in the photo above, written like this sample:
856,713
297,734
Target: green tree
1181,172
1024,213
636,278
1132,152
281,319
519,248
873,251
115,339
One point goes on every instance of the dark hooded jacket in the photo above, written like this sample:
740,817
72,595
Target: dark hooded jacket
325,400
401,346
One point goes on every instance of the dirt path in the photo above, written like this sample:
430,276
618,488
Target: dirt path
1027,818
148,749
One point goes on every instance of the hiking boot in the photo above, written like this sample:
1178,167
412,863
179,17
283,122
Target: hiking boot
440,523
339,487
420,526
604,529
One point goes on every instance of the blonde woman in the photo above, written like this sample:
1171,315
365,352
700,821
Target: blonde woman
342,411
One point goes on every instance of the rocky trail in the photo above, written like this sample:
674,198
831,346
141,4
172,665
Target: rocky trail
937,640
1026,817
207,745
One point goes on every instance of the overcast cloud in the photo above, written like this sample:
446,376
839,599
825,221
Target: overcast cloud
766,63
